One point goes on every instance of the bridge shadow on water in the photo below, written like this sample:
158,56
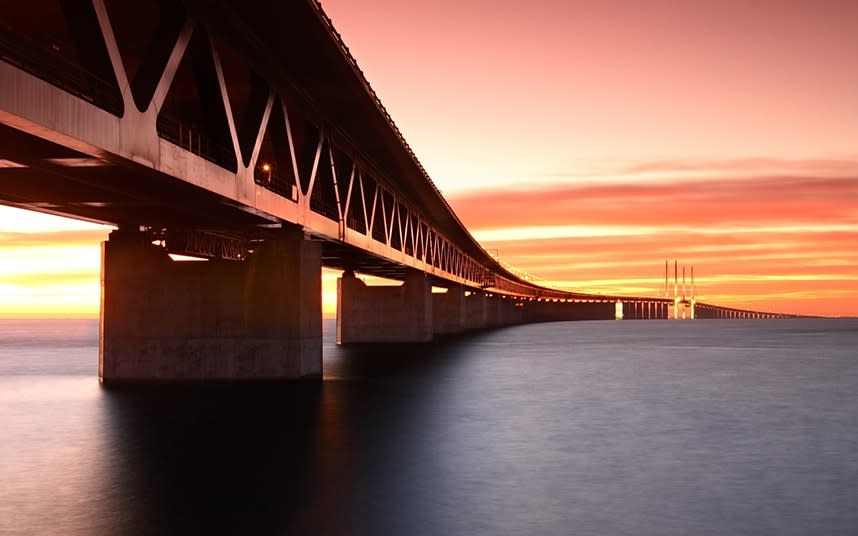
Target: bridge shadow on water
213,459
282,457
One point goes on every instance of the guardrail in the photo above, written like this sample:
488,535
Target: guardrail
43,61
196,140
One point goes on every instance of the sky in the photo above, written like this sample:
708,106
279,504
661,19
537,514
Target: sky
586,143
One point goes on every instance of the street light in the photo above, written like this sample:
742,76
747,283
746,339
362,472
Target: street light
266,170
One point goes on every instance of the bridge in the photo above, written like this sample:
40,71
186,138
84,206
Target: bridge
243,133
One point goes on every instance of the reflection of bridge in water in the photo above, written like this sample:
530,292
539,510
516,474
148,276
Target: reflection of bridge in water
244,133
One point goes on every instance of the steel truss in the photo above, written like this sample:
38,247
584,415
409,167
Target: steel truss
331,188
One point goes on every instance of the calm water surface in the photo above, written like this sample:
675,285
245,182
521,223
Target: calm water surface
608,428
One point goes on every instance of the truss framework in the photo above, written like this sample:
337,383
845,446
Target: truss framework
322,184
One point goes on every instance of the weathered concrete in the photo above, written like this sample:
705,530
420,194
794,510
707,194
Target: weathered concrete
448,311
501,311
384,313
630,312
476,311
510,312
492,309
558,311
163,320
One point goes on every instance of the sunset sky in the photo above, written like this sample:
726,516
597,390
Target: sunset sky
588,142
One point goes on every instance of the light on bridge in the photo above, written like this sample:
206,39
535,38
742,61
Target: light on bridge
266,172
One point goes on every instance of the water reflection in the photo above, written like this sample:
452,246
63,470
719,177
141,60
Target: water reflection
657,428
295,458
220,459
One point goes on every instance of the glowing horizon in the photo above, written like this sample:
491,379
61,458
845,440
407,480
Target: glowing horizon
35,284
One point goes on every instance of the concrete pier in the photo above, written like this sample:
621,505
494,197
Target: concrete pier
630,311
493,312
557,311
448,311
508,313
476,311
163,320
384,313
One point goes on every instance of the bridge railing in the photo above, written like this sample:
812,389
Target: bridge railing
196,140
45,61
275,183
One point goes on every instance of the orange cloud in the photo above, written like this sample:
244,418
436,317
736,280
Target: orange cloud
774,243
785,243
751,202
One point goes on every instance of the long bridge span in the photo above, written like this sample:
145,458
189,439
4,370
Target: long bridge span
245,133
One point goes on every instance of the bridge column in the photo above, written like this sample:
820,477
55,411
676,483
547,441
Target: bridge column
508,313
629,310
476,311
382,313
493,312
163,320
448,311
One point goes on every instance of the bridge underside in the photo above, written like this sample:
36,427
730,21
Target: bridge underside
44,176
39,175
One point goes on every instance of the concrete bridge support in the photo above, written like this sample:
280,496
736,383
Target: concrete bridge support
163,320
511,312
549,311
504,311
495,311
629,312
384,314
448,311
476,311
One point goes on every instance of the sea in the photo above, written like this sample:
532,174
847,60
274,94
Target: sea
704,427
